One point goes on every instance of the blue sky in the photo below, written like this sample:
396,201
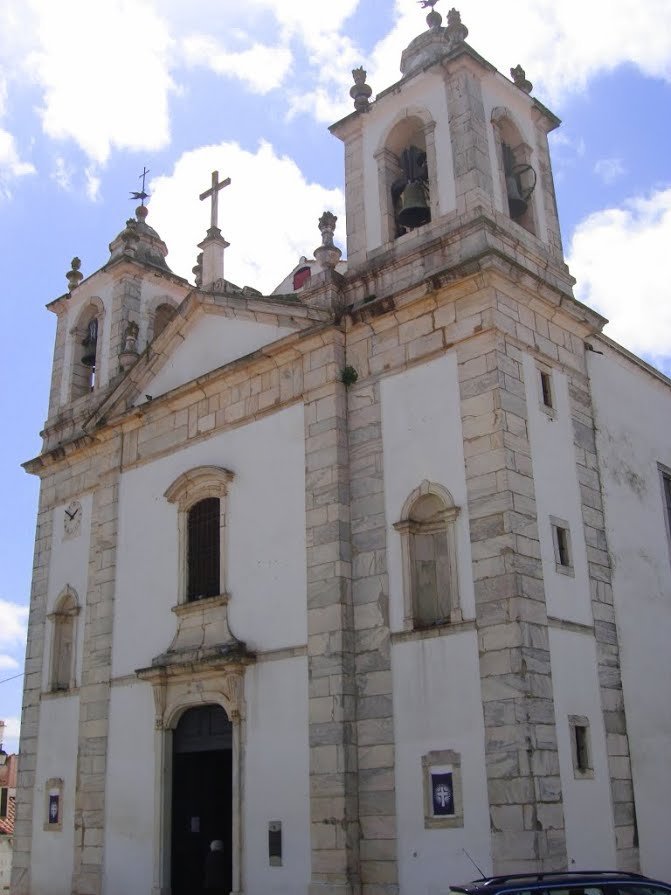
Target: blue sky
92,92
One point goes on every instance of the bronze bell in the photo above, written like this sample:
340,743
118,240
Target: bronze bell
90,342
516,204
414,207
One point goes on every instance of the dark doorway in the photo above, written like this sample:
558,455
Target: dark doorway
201,796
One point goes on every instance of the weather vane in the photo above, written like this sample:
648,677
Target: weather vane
426,3
144,195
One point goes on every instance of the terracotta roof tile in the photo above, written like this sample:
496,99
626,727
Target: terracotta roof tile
7,823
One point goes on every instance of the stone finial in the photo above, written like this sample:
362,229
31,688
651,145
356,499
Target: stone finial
198,269
434,19
74,276
456,32
327,254
141,213
360,92
519,77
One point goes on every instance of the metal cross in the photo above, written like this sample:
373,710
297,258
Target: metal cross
142,195
214,193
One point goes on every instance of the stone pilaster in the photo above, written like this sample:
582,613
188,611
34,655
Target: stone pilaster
94,694
520,729
125,307
356,209
546,186
32,688
58,363
468,134
332,692
605,628
370,594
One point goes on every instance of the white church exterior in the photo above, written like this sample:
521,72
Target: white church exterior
365,574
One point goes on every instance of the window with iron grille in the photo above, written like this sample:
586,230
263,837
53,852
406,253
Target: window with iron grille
203,549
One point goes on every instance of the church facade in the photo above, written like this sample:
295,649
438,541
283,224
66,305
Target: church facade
367,579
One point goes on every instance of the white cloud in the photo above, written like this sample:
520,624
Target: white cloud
615,257
92,182
13,619
62,173
269,213
94,93
11,165
11,737
261,68
8,662
609,169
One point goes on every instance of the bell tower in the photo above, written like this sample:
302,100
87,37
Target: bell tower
105,321
450,142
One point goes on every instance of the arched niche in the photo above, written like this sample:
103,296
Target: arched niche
62,673
412,132
516,172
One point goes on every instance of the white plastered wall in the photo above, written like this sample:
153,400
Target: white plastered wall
422,439
426,92
213,341
436,682
557,494
588,813
130,800
496,91
68,565
266,541
52,850
277,775
633,415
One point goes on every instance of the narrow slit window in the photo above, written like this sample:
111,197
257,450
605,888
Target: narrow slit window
666,483
581,748
561,542
546,389
562,547
4,797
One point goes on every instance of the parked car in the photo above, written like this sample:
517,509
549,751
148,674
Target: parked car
586,882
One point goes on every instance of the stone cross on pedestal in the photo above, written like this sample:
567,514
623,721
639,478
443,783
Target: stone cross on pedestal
211,269
214,193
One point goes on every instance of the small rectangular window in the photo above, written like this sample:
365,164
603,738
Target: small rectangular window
4,792
666,485
580,747
546,389
561,541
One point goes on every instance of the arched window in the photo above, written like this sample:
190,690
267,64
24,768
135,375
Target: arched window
203,549
406,171
428,548
517,175
64,620
85,357
200,495
162,317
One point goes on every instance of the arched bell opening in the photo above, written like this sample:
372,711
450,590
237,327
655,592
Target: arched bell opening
406,170
516,173
86,337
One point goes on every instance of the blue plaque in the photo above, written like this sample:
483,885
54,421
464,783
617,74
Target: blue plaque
442,793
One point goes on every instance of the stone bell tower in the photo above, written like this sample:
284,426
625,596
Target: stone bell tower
452,140
454,251
105,321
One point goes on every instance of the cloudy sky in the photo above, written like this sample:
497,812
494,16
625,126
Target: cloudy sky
92,92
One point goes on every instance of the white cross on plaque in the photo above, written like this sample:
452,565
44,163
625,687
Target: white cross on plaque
214,193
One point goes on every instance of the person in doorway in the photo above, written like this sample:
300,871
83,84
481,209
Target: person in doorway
215,869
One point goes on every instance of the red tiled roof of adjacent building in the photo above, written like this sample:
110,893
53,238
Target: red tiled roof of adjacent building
7,823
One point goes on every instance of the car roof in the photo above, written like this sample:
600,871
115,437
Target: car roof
516,881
